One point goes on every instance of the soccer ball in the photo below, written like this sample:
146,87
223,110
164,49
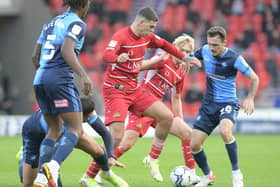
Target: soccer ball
180,176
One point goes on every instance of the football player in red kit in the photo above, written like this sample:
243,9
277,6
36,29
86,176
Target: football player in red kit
121,92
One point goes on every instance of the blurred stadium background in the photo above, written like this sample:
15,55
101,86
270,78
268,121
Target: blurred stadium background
253,28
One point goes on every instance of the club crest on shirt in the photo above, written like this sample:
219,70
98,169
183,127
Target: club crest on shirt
116,114
139,125
224,64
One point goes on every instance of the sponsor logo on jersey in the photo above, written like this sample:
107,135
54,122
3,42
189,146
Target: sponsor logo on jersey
112,44
76,29
61,103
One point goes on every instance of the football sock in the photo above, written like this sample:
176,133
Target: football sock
20,171
47,150
118,152
102,162
187,153
232,154
156,148
65,146
92,169
201,160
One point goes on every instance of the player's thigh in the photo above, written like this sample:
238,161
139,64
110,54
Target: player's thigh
28,174
180,129
158,111
73,120
54,125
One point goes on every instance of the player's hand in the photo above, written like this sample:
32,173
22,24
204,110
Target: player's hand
185,68
123,57
193,61
114,162
248,105
88,86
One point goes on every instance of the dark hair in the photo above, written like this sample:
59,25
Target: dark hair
88,105
217,31
75,4
148,13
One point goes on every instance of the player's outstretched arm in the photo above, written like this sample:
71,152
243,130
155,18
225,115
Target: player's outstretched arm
248,103
148,64
193,61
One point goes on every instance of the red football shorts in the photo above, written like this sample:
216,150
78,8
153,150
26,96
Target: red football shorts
118,102
140,124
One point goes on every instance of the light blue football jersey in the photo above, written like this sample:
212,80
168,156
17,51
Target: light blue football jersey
221,74
53,68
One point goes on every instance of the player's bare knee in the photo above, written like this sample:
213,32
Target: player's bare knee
195,146
226,134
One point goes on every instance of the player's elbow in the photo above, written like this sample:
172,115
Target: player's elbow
254,78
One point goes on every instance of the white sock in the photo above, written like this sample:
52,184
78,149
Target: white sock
54,165
234,172
41,178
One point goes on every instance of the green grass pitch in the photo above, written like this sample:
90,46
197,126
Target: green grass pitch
259,157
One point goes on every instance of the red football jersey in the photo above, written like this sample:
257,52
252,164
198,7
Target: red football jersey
165,76
125,41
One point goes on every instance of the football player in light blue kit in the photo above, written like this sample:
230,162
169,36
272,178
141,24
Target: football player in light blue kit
220,105
55,57
34,130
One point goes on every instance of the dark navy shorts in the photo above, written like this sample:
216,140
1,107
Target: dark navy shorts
58,98
32,136
210,114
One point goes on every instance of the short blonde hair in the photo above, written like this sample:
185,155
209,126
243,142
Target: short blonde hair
183,39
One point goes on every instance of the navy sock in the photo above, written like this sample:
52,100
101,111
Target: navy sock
102,162
20,171
59,183
47,150
201,161
232,154
66,145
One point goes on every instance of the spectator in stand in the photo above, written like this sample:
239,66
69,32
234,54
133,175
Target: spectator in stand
98,8
239,45
224,6
271,68
194,93
55,7
260,7
237,7
6,101
117,15
249,35
193,16
274,43
220,19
